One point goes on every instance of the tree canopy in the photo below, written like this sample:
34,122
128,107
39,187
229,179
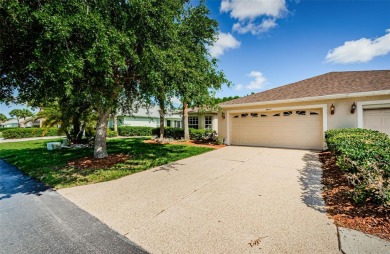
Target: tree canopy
3,118
106,53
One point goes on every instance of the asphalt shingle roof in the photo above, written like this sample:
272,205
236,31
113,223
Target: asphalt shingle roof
327,84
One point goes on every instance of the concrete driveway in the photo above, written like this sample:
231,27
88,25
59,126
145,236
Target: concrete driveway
232,200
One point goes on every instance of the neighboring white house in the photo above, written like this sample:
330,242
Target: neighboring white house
197,119
298,114
148,118
13,122
9,123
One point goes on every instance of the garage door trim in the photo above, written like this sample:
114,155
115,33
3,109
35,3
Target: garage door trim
324,108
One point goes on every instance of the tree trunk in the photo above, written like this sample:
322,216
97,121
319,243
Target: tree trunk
162,119
77,129
185,121
100,147
115,122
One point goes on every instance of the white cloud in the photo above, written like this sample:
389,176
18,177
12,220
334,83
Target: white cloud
247,11
254,28
360,51
258,82
225,42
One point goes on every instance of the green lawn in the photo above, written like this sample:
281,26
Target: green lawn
51,167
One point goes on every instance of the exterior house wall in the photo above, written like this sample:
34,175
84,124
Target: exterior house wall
201,120
341,119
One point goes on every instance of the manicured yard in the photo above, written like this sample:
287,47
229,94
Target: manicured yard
51,167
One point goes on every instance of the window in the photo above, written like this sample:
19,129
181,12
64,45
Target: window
168,123
254,115
208,122
244,115
278,114
312,113
301,112
236,116
263,115
177,124
287,113
193,122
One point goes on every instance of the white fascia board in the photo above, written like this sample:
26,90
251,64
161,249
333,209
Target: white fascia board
316,98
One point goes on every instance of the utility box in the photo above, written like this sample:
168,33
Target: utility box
53,145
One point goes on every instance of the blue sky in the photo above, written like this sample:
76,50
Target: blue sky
268,43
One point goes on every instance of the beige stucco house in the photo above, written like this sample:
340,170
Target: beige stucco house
297,115
203,119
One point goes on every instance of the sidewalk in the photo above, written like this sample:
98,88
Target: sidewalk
2,140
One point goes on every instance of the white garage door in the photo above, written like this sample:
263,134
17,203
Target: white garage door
377,119
289,128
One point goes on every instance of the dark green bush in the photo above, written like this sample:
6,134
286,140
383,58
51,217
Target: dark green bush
198,134
135,131
7,128
112,134
170,132
17,133
365,156
178,133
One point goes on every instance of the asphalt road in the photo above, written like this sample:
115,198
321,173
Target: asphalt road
36,219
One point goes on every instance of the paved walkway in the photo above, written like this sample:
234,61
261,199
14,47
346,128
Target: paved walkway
2,140
35,219
232,200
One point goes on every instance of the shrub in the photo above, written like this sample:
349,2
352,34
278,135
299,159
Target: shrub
198,134
112,134
17,133
135,131
169,132
178,133
365,156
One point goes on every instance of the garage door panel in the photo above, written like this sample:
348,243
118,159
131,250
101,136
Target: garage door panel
377,119
280,129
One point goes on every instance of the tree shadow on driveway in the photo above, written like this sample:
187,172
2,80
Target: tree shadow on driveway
310,181
168,167
13,182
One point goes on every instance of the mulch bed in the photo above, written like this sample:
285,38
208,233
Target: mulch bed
369,218
189,142
92,163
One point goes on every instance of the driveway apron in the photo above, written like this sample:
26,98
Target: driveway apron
232,200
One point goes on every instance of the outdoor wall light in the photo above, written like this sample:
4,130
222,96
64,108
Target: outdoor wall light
223,115
332,109
353,108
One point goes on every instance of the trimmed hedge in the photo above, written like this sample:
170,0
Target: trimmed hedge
135,131
178,133
365,156
17,133
170,132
